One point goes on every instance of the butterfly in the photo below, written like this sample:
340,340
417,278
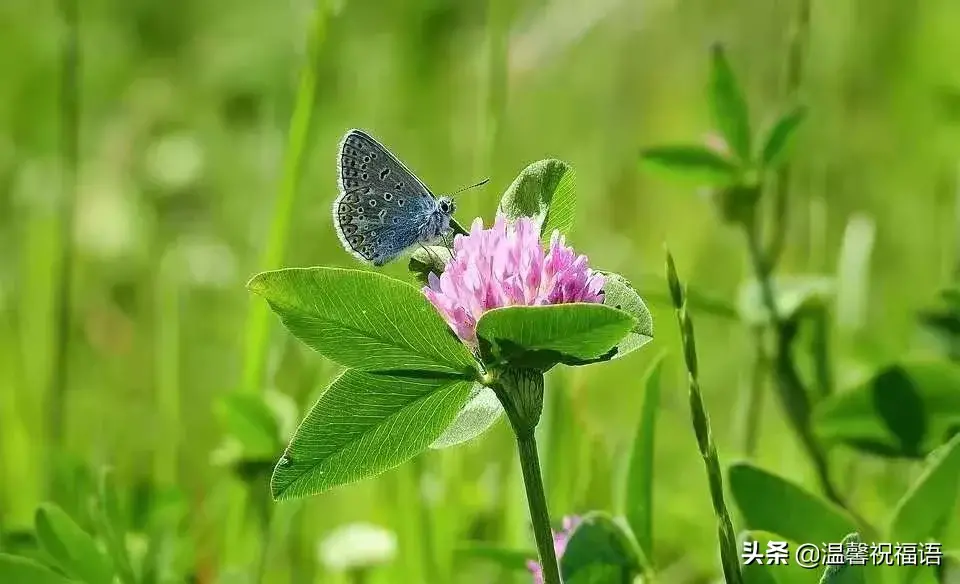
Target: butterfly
383,209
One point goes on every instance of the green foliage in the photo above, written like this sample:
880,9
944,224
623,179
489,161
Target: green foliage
16,569
770,503
248,418
638,503
729,105
481,412
846,573
71,548
729,556
364,424
777,145
620,294
539,337
600,550
692,161
791,293
363,320
925,510
790,573
903,410
756,572
111,523
545,191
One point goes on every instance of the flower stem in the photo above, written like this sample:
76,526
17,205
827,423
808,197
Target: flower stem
520,391
536,499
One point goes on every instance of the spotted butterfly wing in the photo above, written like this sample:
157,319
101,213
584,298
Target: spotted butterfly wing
382,205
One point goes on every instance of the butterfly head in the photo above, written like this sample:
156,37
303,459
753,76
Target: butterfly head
446,206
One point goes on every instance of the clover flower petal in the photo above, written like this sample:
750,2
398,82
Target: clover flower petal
505,265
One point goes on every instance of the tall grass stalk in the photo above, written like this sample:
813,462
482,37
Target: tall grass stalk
20,486
794,396
764,261
729,556
298,135
256,343
69,102
755,394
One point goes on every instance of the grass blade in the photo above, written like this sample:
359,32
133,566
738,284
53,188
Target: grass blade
638,494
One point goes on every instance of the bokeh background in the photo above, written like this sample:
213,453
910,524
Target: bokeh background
183,122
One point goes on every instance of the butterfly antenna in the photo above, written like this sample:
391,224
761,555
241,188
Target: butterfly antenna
479,184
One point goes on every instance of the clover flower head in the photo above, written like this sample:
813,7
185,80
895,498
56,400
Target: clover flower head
560,540
505,265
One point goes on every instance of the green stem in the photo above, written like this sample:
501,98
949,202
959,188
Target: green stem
257,328
69,149
536,499
359,576
520,391
796,53
754,405
729,555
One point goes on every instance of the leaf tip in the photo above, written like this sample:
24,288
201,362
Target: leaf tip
255,284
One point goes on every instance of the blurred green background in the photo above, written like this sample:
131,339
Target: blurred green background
184,115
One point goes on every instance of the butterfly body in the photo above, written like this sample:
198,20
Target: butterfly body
383,209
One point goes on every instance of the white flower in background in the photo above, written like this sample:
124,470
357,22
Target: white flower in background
174,161
109,221
205,262
357,545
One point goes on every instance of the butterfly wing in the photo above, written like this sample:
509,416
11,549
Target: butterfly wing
382,205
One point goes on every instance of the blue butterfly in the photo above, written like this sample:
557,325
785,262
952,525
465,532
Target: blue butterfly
383,209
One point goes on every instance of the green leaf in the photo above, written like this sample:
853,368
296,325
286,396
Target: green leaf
923,511
639,488
477,416
539,337
755,572
791,293
16,570
845,573
545,191
73,549
950,571
431,258
729,104
695,162
777,144
602,575
620,294
510,559
249,420
112,525
598,542
365,424
904,410
363,320
770,503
